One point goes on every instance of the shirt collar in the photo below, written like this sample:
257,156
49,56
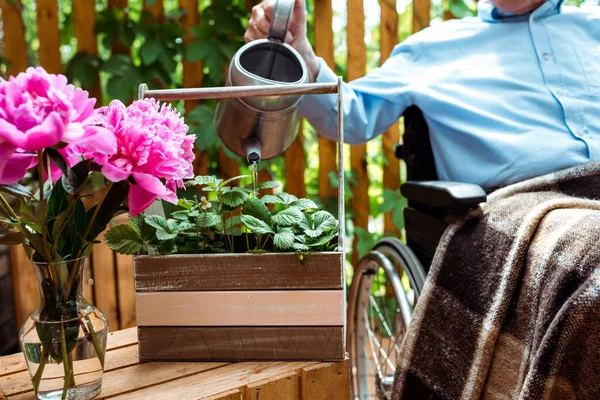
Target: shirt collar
487,11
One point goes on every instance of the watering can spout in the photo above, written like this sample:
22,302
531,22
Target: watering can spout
253,149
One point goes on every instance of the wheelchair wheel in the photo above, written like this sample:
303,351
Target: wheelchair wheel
386,285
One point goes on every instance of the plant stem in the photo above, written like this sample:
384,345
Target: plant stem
49,256
247,240
93,219
65,361
41,174
94,339
8,208
40,371
265,243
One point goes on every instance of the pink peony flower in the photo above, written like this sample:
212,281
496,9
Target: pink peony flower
39,110
152,147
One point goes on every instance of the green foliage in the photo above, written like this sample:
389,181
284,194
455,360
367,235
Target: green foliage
233,220
52,223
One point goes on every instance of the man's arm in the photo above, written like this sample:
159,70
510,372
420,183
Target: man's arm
371,104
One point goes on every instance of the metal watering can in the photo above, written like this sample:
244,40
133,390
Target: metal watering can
260,128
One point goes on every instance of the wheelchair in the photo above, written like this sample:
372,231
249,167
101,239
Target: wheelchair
388,281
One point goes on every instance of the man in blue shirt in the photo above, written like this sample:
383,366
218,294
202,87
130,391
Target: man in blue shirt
508,95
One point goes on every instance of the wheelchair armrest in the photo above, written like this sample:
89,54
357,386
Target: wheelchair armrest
443,194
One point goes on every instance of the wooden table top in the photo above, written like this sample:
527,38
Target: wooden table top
126,378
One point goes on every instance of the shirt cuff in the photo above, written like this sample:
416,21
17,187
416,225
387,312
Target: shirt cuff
320,105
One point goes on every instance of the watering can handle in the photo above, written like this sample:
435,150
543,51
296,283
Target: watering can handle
281,19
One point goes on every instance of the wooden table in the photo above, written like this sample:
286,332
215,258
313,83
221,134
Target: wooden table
126,378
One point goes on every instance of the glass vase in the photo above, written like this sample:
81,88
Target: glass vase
64,340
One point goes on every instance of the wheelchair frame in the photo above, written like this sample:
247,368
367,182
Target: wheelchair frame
431,203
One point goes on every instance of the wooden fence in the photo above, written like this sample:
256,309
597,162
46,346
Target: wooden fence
109,282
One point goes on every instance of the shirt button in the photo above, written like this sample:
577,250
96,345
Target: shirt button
545,56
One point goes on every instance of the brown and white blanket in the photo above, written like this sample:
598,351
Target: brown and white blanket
511,306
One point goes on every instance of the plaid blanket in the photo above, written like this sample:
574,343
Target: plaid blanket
511,306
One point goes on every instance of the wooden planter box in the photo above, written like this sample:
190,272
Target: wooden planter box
235,307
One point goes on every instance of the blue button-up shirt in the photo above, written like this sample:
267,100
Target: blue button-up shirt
505,97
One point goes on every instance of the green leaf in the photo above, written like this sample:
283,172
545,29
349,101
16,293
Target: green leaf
118,64
288,217
196,51
256,225
365,241
305,204
202,180
325,239
147,231
124,239
71,181
18,191
268,185
157,222
76,176
235,178
165,230
57,203
318,223
270,199
398,218
300,247
284,239
110,206
234,198
287,198
258,209
151,50
186,226
208,220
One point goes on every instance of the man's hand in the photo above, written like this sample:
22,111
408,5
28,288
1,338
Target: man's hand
258,28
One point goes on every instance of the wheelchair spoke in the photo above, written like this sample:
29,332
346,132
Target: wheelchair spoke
388,331
392,346
376,342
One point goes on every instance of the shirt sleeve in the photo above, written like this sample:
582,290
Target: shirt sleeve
371,103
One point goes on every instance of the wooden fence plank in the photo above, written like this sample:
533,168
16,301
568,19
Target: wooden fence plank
241,308
295,165
126,290
357,61
447,13
391,171
228,167
49,35
421,14
324,381
241,343
84,17
324,48
118,46
15,47
283,387
105,283
156,9
193,75
238,272
25,287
